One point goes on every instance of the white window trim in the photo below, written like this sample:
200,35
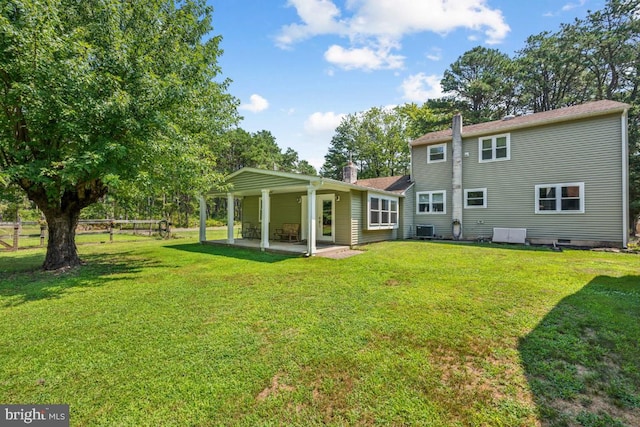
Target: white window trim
444,146
484,198
493,139
390,226
559,198
430,193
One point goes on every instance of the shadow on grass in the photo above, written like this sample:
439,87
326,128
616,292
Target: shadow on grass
232,252
33,284
582,360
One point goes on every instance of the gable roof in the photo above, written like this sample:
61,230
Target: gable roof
394,184
576,112
251,181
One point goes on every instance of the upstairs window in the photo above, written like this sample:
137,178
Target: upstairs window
560,198
494,148
432,202
437,153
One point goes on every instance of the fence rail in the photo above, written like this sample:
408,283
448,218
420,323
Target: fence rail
12,232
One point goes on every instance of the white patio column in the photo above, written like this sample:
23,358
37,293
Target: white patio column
266,216
311,220
230,217
203,219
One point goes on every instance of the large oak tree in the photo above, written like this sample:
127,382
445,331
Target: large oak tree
98,94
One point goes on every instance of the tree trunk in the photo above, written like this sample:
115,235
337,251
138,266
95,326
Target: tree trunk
61,247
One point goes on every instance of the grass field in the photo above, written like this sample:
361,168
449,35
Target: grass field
154,333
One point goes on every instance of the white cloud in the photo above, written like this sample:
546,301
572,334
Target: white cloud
317,16
364,58
435,55
320,123
567,7
376,27
256,104
420,87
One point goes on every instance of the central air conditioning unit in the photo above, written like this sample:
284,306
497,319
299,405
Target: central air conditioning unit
425,231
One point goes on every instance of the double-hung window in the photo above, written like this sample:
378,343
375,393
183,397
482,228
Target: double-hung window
493,148
431,202
560,198
475,198
383,212
437,153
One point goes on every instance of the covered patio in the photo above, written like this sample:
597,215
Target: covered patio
286,248
272,200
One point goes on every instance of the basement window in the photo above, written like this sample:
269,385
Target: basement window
475,198
560,198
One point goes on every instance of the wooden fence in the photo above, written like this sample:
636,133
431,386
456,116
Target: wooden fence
11,233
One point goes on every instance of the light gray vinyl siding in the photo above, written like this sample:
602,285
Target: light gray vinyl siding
587,151
343,219
247,181
356,217
432,177
406,214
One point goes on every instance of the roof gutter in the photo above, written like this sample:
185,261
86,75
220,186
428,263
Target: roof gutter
513,126
625,179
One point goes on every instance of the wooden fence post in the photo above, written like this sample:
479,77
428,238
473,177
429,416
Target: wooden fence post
42,228
111,225
16,235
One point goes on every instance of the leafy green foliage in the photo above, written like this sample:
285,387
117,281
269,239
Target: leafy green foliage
99,95
375,140
484,79
259,150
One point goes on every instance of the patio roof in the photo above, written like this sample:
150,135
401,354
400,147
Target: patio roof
251,181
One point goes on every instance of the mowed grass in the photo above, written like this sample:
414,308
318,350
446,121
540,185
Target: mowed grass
407,333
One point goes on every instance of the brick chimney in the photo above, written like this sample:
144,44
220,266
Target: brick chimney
350,173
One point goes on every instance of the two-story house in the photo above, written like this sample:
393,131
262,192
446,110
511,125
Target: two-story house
558,176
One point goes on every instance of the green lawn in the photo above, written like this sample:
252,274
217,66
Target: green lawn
155,332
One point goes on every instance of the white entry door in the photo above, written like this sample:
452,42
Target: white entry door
325,224
325,214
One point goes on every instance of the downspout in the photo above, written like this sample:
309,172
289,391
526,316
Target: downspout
456,180
410,162
625,180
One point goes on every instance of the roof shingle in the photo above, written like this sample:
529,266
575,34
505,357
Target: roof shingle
395,184
590,109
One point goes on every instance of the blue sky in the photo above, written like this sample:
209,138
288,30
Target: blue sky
298,66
